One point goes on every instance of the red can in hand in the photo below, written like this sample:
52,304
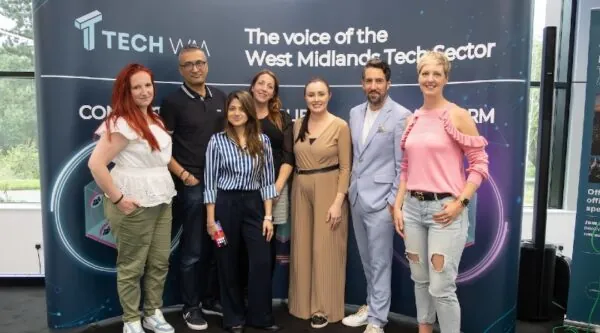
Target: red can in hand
219,235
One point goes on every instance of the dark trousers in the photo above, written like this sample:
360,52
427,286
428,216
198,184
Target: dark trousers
244,261
241,215
198,280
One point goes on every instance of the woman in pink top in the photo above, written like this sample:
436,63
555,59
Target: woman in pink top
430,211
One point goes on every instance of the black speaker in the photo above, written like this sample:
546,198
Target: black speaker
536,282
537,261
544,137
562,281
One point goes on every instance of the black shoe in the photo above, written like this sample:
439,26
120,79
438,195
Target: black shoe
272,328
212,307
318,321
236,329
194,320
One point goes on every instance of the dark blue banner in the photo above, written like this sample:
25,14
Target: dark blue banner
81,46
584,289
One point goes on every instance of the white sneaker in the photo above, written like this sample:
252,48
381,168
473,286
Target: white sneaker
357,319
372,328
157,323
133,327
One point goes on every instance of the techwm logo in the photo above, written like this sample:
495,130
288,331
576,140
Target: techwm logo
124,41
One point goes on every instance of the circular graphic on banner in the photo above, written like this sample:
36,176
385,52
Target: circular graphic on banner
81,240
499,233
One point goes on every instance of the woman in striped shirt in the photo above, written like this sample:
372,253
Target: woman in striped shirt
240,185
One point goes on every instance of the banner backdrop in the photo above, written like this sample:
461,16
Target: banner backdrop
81,46
584,289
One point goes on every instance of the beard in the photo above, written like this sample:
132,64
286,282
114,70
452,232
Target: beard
375,99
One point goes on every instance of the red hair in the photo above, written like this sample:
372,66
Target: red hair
124,107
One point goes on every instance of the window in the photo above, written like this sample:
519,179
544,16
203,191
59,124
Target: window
561,14
531,159
19,162
16,36
534,95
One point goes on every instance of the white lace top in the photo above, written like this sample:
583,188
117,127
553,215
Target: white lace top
139,172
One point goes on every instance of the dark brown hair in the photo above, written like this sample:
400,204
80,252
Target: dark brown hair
274,103
304,126
380,64
252,127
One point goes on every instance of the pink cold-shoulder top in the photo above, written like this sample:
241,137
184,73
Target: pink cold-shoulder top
434,151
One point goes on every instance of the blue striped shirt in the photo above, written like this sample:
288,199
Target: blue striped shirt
230,168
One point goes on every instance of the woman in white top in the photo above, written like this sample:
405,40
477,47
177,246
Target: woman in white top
138,191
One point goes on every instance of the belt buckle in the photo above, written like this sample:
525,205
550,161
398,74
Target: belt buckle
419,195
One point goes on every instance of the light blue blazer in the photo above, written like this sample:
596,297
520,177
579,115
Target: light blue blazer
376,163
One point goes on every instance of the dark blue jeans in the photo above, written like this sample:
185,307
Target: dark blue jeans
198,279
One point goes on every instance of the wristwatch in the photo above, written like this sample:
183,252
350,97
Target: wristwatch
269,218
464,202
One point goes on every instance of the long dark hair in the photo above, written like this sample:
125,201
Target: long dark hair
252,128
274,104
304,126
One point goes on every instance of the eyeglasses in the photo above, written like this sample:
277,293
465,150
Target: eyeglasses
188,66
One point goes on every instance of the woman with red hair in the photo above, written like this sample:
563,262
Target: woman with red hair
138,191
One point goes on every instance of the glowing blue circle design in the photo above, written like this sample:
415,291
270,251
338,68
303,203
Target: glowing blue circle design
493,252
55,201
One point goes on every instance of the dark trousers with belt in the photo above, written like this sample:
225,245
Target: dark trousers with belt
241,215
198,280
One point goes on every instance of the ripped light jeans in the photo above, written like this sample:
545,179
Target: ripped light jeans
435,289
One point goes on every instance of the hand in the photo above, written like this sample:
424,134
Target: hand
449,213
268,230
127,205
399,221
278,188
191,180
211,228
334,216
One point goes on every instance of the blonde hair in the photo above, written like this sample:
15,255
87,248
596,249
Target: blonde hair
439,58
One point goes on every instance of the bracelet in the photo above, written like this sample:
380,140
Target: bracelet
181,173
119,200
269,218
186,178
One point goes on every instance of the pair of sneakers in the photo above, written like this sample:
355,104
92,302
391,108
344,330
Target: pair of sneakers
360,318
195,320
155,323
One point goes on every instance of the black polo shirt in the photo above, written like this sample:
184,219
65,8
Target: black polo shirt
193,119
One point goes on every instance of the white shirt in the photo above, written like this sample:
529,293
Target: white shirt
370,117
140,173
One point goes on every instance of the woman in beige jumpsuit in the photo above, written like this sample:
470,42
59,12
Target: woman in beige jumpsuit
322,148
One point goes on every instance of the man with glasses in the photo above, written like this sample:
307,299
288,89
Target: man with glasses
192,114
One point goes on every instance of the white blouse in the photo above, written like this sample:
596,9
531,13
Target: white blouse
139,172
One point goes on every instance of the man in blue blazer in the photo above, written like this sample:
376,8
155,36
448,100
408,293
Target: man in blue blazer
376,127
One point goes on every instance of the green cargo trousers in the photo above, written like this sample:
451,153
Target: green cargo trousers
143,240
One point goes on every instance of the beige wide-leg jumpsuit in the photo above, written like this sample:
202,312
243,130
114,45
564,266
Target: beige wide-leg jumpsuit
318,254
